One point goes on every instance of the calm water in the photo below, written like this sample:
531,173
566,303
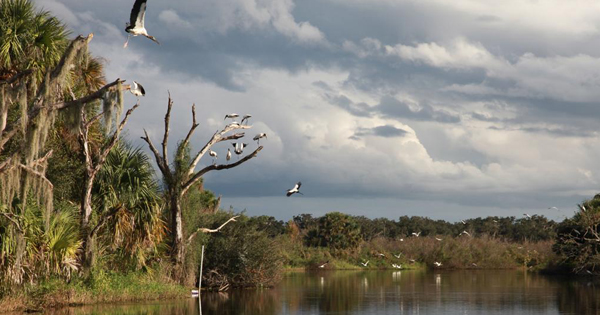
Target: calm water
389,292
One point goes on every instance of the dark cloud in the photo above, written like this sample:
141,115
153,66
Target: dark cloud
386,131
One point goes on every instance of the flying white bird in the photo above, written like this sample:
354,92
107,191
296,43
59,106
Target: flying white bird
463,221
213,154
397,266
464,232
398,256
259,136
232,116
228,156
238,148
365,263
137,89
527,215
245,118
135,26
295,190
555,208
381,255
323,265
416,234
438,264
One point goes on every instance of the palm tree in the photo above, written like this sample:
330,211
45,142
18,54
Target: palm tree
29,38
127,192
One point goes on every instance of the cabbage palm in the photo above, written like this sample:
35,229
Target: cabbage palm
130,204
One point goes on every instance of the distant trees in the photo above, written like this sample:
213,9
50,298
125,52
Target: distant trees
578,239
335,230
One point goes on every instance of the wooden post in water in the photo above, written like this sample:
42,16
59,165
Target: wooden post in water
200,276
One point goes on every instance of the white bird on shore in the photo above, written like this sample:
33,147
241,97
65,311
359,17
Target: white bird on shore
259,136
474,264
213,154
232,116
439,239
401,240
365,263
416,234
323,265
464,232
438,264
412,261
135,26
589,272
397,266
245,118
137,89
397,256
295,190
228,156
381,255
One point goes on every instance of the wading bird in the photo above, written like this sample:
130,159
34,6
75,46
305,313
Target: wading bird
365,263
438,264
416,234
323,265
232,116
135,26
137,89
245,118
228,156
259,136
213,154
295,190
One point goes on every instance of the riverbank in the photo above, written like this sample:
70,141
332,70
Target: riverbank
103,287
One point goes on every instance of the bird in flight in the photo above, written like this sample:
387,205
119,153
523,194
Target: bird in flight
295,190
398,256
464,232
137,89
365,263
527,215
323,265
438,264
135,26
439,239
416,234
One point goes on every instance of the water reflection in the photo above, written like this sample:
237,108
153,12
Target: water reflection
389,292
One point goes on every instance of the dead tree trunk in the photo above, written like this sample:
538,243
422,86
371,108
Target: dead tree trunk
180,180
93,164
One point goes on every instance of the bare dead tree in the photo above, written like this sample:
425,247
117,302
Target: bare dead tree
94,160
180,178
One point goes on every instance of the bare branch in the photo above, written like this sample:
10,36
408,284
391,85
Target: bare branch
191,131
217,167
164,168
166,135
206,230
15,222
37,174
216,138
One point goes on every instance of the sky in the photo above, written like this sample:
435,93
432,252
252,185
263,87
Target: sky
382,108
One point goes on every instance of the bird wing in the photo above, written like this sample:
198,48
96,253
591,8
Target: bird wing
141,88
233,144
289,193
298,185
138,12
256,137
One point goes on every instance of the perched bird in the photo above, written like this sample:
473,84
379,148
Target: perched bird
135,26
323,265
474,264
398,256
416,234
438,264
439,239
589,272
213,154
137,89
397,266
381,255
259,136
582,207
401,240
365,263
245,118
527,215
495,221
228,156
464,232
232,116
295,190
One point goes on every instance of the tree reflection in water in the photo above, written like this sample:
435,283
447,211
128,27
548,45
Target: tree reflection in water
388,292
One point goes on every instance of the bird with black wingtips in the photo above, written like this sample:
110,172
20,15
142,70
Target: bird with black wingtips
295,190
231,116
137,89
238,148
135,26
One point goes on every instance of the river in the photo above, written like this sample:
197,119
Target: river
388,292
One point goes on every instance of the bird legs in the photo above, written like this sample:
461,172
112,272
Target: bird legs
127,41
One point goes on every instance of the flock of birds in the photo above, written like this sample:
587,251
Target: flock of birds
136,27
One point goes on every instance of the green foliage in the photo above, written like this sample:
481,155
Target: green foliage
578,239
337,231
